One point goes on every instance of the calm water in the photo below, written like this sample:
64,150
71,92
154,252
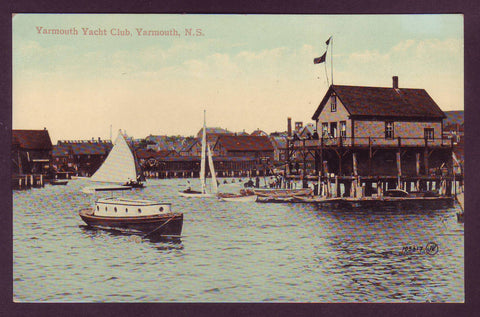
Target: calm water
235,252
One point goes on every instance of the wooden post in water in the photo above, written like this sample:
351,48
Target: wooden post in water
399,169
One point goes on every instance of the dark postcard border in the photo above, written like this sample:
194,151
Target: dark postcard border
470,10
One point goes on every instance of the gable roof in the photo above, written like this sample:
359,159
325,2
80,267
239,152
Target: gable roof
307,129
88,148
146,154
188,144
60,149
245,143
279,141
32,139
383,102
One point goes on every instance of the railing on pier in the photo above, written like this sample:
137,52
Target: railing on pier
373,142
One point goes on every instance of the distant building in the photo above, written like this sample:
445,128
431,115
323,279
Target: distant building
31,152
191,147
246,146
212,134
164,143
259,132
279,147
149,158
80,157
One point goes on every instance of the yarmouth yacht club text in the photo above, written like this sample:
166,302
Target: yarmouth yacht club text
87,31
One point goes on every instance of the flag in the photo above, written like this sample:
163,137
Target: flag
320,59
328,41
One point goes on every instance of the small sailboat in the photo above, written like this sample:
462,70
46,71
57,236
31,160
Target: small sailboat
203,192
120,166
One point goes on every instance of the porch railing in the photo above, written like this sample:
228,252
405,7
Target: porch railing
373,141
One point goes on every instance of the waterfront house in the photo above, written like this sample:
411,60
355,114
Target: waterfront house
257,152
247,146
387,131
80,157
31,152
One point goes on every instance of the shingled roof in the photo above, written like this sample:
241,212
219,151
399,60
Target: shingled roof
245,143
32,139
81,148
363,101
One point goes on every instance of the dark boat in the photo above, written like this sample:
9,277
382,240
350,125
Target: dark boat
396,193
147,217
134,184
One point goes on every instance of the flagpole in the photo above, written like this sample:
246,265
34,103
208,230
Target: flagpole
326,74
331,60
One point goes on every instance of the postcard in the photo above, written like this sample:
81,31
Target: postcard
178,158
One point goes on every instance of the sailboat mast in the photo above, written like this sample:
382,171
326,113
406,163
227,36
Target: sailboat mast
202,162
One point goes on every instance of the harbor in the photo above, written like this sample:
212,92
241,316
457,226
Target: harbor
249,251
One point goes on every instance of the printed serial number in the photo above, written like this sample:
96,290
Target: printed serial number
431,249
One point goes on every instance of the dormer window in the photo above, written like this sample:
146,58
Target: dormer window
333,103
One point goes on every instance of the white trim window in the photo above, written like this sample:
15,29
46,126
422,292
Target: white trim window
389,130
324,129
429,133
343,129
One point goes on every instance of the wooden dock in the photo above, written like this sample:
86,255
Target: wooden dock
20,182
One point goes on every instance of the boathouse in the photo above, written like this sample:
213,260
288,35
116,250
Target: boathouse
31,152
377,132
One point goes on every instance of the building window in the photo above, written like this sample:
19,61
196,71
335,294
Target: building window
429,133
389,130
324,129
343,128
333,103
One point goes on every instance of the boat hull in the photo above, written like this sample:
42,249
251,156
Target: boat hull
195,195
167,224
238,198
56,183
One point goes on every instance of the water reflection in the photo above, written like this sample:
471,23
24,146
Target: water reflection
170,243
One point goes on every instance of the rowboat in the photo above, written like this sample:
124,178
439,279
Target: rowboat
236,197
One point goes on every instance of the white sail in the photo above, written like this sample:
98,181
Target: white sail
119,166
202,162
214,186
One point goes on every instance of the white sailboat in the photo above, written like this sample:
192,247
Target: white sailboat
203,192
120,168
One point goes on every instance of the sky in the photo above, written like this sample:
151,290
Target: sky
247,71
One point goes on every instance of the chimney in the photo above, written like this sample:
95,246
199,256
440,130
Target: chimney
395,82
289,126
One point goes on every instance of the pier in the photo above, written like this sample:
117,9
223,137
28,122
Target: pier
20,182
